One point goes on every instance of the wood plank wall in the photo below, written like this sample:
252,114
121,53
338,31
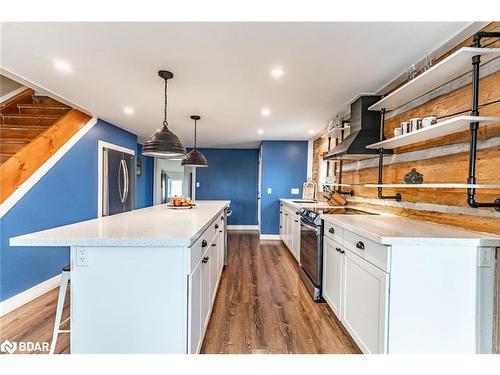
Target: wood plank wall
445,169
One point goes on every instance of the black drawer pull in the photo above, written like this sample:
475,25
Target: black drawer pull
205,259
338,249
222,217
204,243
360,245
297,212
216,226
214,244
331,230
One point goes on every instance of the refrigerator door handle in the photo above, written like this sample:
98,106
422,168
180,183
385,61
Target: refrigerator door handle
121,173
126,181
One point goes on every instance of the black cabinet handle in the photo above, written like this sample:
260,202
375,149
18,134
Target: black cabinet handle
281,212
360,245
222,217
216,226
296,212
286,214
205,259
204,243
214,244
296,221
341,251
331,230
338,249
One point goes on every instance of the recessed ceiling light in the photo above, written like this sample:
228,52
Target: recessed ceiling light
265,112
311,131
63,66
128,110
277,71
260,131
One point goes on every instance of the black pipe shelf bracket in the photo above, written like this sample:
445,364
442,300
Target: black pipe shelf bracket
341,163
474,126
380,195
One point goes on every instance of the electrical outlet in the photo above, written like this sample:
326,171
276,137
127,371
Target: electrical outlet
269,190
484,257
197,184
82,257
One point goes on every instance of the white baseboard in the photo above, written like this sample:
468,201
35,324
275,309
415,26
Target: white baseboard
29,295
242,227
270,237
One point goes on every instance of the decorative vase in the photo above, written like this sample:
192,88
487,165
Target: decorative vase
414,177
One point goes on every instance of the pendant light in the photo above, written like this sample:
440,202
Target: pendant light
195,158
163,143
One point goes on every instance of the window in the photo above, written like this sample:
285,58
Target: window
174,187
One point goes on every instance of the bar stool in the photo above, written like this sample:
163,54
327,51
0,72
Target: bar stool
65,277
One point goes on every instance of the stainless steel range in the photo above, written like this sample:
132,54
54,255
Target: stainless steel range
311,245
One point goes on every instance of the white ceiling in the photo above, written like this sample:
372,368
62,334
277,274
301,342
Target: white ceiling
221,71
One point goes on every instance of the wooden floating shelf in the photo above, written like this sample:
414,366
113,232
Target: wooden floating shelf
435,186
335,132
454,66
453,125
346,185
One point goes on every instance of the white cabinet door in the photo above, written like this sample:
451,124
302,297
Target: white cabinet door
195,309
220,252
365,303
286,227
214,269
282,214
205,288
333,269
295,237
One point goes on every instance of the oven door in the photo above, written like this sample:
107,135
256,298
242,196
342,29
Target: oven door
310,251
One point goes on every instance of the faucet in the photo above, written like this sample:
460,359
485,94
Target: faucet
309,180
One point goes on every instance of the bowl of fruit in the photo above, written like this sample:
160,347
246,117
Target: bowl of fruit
181,203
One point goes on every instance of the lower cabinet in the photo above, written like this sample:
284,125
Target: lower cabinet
357,292
365,297
333,275
203,283
290,229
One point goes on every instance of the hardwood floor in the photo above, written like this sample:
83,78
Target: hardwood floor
34,322
261,307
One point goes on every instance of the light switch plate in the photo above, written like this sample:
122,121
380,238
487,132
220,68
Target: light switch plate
295,191
269,191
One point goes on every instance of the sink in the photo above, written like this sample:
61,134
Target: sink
305,201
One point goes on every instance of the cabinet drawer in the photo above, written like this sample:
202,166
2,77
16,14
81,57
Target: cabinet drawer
201,244
373,252
334,232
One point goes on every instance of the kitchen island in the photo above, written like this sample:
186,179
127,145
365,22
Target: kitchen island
143,281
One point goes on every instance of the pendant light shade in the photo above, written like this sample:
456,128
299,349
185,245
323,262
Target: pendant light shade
163,143
195,158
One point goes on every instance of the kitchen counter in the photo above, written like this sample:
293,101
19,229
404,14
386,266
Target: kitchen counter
395,230
151,226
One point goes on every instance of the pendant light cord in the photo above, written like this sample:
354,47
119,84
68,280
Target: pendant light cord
165,123
195,134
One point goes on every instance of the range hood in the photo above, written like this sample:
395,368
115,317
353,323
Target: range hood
364,130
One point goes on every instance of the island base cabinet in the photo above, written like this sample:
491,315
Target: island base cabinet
195,309
365,303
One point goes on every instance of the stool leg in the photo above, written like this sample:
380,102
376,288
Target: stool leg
59,310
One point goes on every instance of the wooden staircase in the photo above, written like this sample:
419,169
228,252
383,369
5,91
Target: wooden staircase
23,118
32,129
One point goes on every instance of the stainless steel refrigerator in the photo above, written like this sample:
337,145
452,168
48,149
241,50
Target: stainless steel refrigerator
118,182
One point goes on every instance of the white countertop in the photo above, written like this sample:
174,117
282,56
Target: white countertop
396,230
291,202
151,226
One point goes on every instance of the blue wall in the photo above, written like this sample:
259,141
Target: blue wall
65,195
144,182
232,174
284,166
